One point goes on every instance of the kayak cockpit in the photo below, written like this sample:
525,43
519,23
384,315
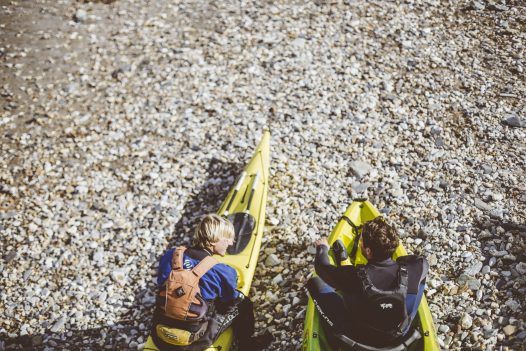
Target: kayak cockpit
244,224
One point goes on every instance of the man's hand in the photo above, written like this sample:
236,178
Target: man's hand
322,241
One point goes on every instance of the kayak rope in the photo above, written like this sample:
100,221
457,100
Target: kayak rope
256,229
262,168
356,237
252,191
236,190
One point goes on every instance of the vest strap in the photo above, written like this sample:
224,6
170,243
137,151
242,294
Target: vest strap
204,266
177,258
403,277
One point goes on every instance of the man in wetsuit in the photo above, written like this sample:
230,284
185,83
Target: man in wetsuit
342,293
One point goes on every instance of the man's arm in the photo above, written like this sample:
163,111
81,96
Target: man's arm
332,275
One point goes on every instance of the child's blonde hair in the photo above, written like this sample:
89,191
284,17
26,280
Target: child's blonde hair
212,229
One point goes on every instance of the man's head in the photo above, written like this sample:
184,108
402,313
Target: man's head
379,239
214,233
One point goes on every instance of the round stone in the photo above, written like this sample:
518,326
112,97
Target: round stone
466,321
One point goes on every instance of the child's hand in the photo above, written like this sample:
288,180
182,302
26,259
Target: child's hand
322,241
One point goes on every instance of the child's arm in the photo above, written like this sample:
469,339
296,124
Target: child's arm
165,267
228,283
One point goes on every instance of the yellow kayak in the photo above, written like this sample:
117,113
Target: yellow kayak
245,206
314,336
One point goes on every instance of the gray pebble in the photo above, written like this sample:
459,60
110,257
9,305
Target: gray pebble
478,6
278,279
272,260
360,168
443,328
10,256
59,325
492,261
119,276
81,15
515,121
311,249
433,260
474,269
521,268
472,283
466,321
482,205
513,305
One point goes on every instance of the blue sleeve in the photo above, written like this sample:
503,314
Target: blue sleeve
229,283
165,267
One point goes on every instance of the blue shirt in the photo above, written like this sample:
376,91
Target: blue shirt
220,282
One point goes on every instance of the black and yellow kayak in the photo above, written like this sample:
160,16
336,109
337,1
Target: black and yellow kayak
245,206
315,337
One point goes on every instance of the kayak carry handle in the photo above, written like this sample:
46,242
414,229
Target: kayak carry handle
361,199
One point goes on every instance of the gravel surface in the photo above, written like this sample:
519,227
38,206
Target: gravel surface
123,121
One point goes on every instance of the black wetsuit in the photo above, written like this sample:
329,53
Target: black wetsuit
342,310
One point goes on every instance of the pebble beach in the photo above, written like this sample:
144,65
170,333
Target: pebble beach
122,122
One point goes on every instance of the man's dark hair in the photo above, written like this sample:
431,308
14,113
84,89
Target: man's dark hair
380,237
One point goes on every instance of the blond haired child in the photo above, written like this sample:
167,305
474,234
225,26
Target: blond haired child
227,306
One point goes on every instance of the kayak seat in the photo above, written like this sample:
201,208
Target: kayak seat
350,344
244,224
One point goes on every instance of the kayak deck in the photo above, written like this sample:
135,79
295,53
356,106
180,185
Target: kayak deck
254,176
359,212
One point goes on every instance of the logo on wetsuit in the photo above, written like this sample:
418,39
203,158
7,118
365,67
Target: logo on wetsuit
386,305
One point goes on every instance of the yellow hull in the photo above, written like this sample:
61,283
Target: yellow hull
314,338
244,262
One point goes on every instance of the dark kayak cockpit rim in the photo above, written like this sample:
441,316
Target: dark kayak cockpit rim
402,346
